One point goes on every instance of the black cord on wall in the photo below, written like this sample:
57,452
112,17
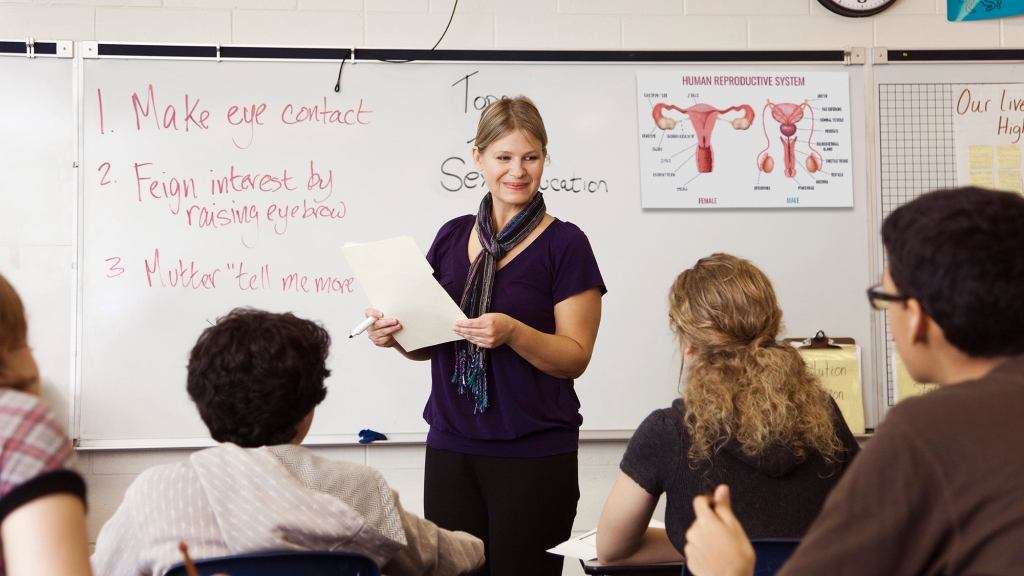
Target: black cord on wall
337,86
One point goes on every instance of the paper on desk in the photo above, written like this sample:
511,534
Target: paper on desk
584,546
399,282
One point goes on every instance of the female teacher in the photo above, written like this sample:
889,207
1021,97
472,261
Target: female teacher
504,419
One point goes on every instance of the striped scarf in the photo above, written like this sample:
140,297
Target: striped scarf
471,360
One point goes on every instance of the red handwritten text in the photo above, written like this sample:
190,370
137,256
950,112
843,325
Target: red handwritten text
185,274
172,189
324,114
146,107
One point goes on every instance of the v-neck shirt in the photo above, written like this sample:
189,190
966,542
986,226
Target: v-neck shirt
531,414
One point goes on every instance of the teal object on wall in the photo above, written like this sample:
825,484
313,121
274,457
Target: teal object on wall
957,10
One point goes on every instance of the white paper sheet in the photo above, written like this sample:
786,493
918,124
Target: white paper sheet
584,546
399,282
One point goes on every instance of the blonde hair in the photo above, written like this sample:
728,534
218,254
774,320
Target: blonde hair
742,384
506,115
13,327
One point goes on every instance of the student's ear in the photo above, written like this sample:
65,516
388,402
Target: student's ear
918,322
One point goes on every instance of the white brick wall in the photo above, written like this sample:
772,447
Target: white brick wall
184,25
421,30
299,28
684,32
551,24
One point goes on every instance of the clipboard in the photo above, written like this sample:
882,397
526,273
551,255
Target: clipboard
819,341
836,362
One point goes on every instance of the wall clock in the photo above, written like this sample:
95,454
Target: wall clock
856,8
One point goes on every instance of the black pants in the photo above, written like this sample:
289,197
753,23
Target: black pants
519,507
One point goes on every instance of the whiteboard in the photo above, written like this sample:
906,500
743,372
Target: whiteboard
916,104
395,148
37,193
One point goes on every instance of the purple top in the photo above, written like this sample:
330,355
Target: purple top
531,413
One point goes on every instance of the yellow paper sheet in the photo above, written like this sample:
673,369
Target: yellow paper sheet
983,180
979,156
1011,181
906,386
1008,156
839,371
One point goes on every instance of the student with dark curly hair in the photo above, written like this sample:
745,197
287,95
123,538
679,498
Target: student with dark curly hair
940,488
256,378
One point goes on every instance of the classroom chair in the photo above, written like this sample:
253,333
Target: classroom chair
771,553
281,562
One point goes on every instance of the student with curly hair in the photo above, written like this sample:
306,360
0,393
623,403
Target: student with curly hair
751,414
256,378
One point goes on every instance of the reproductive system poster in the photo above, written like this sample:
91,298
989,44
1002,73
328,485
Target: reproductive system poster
728,139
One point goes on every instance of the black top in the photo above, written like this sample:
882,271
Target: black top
774,495
53,482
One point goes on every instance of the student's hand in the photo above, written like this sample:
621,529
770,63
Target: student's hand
381,332
488,331
716,544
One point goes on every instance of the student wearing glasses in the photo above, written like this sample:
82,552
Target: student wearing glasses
940,488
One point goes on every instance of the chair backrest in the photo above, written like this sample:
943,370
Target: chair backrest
281,562
771,554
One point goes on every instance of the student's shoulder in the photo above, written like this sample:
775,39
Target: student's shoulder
314,468
953,409
162,480
19,406
31,431
664,421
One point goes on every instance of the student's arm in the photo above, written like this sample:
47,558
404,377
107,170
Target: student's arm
564,354
623,535
46,536
433,551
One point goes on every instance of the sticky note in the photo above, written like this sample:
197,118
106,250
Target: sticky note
982,180
1010,180
1008,156
979,156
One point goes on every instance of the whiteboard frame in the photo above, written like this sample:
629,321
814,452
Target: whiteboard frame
854,56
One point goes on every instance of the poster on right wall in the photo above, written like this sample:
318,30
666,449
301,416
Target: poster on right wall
988,120
961,10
